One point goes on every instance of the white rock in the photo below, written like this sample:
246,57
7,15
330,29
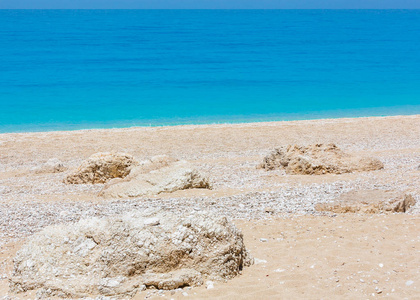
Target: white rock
279,270
101,167
176,176
210,285
103,258
409,282
151,222
258,261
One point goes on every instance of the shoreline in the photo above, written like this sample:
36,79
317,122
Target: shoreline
218,125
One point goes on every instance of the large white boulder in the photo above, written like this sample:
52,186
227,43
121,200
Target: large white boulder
119,256
152,179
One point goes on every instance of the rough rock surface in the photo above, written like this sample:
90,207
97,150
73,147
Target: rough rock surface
154,163
369,201
179,175
53,165
318,159
101,167
118,256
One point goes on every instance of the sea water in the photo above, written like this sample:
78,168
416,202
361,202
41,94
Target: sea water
73,69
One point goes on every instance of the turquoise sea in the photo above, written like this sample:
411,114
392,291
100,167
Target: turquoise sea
73,69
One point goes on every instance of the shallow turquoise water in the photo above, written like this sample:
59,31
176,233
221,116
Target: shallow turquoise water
72,69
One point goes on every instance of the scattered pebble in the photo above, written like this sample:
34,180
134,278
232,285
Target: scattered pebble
152,222
279,270
409,282
258,261
210,285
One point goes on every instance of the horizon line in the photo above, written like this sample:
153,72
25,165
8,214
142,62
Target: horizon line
210,8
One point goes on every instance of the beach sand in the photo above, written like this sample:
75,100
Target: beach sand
303,253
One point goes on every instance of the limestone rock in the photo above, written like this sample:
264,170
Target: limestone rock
101,167
317,159
53,165
176,176
154,163
369,201
119,256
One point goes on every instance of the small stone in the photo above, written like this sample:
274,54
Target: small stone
381,265
210,285
361,280
378,290
151,222
63,214
269,210
409,282
185,294
263,240
258,261
279,270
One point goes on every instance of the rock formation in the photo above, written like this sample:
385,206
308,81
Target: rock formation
119,256
101,167
160,174
369,201
318,159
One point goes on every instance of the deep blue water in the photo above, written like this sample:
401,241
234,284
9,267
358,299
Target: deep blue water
71,69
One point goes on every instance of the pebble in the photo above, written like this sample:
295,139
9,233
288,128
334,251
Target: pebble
381,265
209,285
263,240
185,294
409,282
279,270
269,210
152,222
258,261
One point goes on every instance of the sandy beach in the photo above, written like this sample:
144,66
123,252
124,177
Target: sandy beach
299,252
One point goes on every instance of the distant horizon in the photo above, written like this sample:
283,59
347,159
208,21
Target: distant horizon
210,4
209,8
